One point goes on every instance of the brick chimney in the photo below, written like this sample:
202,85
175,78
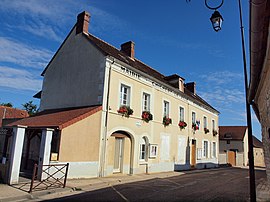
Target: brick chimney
128,48
191,87
82,22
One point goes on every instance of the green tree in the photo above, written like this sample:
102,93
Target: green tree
30,108
8,104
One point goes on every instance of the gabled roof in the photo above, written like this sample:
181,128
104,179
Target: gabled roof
57,118
11,113
232,132
257,143
108,49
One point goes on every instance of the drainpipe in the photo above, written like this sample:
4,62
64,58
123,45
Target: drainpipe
104,145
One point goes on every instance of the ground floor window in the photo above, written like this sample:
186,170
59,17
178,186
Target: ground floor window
205,149
214,150
143,149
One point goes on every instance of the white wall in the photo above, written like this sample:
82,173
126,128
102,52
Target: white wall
75,76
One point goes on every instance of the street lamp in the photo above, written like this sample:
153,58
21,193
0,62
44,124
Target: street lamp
216,20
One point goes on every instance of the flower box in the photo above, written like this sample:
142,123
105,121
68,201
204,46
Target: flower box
147,116
182,124
125,111
195,127
166,121
206,130
215,132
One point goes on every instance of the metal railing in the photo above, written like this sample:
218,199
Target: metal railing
55,175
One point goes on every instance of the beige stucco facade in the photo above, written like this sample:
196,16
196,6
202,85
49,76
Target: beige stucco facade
178,141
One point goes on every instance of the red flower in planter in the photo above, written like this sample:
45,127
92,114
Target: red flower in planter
195,127
147,116
166,121
206,130
215,132
125,111
182,124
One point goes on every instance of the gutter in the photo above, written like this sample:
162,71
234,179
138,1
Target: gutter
105,127
258,22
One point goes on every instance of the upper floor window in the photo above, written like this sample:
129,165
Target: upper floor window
193,116
205,122
166,108
125,95
146,102
213,125
181,114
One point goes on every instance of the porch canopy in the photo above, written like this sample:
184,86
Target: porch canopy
56,118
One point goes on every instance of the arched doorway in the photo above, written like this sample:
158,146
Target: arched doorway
120,153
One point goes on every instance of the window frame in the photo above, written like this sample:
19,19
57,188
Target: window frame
193,118
146,103
153,150
214,150
128,95
213,124
181,115
205,149
205,125
143,153
166,108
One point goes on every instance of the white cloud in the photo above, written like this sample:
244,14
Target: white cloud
18,79
52,19
223,90
223,77
18,53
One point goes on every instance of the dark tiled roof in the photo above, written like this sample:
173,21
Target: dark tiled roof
108,49
257,143
232,132
10,113
57,118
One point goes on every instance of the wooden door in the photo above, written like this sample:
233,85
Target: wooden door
193,153
231,158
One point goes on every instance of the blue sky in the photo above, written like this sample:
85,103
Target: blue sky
170,36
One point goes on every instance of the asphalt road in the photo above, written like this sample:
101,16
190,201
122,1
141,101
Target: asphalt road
231,184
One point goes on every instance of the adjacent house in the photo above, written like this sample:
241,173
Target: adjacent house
259,87
105,112
233,146
7,115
